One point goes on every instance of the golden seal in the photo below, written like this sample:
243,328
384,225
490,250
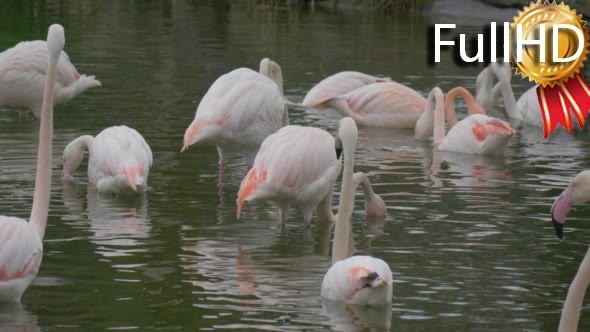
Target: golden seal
548,73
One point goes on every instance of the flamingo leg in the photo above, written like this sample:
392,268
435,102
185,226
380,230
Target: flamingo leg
221,170
283,211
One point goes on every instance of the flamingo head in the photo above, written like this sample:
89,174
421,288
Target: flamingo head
365,278
577,192
491,134
502,69
133,174
71,158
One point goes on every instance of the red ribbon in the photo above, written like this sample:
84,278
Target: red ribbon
557,101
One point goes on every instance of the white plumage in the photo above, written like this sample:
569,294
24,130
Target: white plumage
385,104
119,161
237,113
338,84
23,71
295,166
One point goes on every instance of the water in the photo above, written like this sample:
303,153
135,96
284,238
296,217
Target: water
469,239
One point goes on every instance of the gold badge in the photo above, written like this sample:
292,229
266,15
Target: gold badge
531,19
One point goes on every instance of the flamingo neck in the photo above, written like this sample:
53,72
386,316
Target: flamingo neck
425,123
361,179
441,111
509,100
575,297
340,245
39,213
273,71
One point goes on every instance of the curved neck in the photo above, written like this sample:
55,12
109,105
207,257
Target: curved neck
508,96
273,71
342,229
425,125
40,209
361,179
575,297
439,121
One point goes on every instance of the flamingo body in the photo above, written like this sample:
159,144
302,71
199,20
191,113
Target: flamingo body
23,70
362,280
295,166
338,84
237,113
477,134
119,161
385,104
21,251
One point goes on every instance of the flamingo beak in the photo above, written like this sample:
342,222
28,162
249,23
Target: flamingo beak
560,209
134,177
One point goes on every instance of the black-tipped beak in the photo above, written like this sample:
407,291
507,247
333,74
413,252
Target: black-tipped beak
558,227
338,147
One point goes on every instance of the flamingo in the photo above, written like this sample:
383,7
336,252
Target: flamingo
237,113
577,192
21,246
476,134
23,73
299,166
363,280
526,109
487,93
338,84
120,160
383,104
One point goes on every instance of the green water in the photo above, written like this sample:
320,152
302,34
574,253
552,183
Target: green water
469,239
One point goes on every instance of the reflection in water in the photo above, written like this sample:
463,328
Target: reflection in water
118,224
354,318
13,318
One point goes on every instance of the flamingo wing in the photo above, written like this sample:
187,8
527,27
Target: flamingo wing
21,249
113,147
338,84
241,108
386,104
478,134
297,163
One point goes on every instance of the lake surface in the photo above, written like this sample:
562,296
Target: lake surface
469,239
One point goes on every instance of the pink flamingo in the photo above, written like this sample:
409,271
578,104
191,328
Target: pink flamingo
476,134
23,73
237,113
385,104
338,84
363,280
21,246
299,166
119,161
577,192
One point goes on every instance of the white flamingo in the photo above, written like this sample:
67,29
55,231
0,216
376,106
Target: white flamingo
362,280
119,161
475,134
578,192
237,113
23,71
338,84
21,246
299,166
526,109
